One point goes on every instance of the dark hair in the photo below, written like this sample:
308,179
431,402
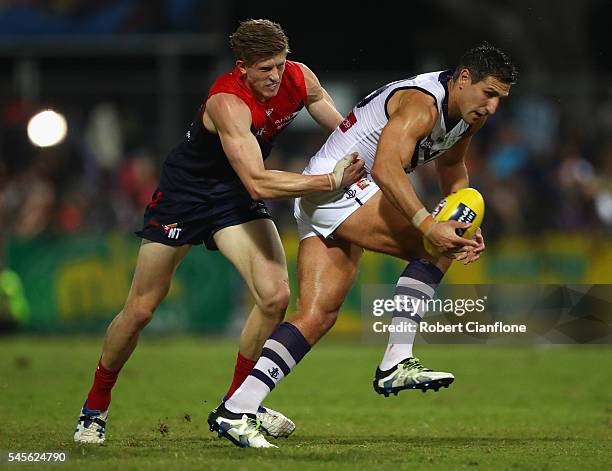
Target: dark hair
487,60
255,40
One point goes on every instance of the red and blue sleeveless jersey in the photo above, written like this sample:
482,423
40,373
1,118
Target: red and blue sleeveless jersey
271,117
197,169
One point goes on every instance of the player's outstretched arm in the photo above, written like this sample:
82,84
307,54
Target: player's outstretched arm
232,120
412,116
318,102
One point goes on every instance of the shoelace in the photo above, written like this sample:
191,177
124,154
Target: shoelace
251,428
90,428
255,423
270,415
414,364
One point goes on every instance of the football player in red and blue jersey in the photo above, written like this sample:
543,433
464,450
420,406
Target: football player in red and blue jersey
211,190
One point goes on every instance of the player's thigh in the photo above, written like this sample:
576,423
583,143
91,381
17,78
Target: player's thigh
326,272
379,226
256,250
155,267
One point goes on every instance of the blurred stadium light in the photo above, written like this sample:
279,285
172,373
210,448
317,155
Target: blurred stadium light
47,128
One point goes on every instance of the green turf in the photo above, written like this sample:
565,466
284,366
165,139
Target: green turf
510,408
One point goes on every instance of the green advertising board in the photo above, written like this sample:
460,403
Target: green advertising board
79,283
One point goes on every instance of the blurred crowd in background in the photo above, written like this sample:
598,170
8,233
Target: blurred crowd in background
534,177
95,17
537,169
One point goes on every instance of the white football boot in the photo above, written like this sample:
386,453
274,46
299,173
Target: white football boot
274,423
91,426
410,374
242,430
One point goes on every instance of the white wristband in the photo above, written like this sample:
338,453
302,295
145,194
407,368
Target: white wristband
332,181
419,217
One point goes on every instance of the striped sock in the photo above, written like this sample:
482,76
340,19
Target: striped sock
281,352
417,282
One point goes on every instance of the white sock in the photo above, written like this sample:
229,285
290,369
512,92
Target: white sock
256,392
280,354
399,346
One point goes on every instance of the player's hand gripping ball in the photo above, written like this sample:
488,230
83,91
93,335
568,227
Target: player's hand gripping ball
465,205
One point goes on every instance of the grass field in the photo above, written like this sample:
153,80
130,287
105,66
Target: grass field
510,408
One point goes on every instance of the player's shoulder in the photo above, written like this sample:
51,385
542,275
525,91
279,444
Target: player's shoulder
229,83
228,109
296,80
414,103
309,79
297,71
229,90
226,102
227,79
299,66
295,65
433,84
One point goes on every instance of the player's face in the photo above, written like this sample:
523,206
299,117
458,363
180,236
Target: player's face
264,77
481,99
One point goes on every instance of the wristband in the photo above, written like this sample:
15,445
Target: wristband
332,181
419,217
424,221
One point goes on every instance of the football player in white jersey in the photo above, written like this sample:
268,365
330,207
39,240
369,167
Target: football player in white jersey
395,129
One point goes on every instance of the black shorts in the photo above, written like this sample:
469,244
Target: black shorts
178,223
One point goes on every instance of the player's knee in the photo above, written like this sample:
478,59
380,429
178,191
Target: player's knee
139,314
274,304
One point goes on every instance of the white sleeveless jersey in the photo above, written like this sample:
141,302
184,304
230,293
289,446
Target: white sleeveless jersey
361,130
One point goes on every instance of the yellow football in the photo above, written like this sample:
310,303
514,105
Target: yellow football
465,205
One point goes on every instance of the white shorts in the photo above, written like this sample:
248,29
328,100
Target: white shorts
322,213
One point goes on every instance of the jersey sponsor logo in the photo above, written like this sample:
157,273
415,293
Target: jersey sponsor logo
427,144
172,231
450,140
425,147
273,372
285,120
348,123
363,183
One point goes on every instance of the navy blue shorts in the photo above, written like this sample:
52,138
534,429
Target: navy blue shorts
178,223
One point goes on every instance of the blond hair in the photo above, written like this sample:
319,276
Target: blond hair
255,40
